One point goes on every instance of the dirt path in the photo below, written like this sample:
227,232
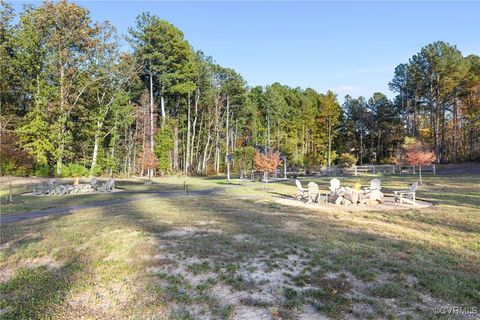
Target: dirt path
11,218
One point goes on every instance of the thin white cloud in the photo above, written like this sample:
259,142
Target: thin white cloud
346,89
368,70
373,70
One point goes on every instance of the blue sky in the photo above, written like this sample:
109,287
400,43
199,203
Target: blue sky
348,47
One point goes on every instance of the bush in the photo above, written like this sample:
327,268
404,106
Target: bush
74,170
388,160
347,160
163,147
42,171
14,159
97,170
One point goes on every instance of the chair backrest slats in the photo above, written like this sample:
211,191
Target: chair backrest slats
299,184
414,186
334,185
375,184
312,187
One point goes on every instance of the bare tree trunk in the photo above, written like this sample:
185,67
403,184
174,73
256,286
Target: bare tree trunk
361,146
194,127
455,129
162,104
329,143
144,138
217,137
226,141
268,131
197,147
187,158
95,153
175,147
151,111
61,134
205,151
112,154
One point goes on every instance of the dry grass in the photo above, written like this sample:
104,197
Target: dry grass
238,254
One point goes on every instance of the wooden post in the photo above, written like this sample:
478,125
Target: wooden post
434,170
10,199
187,189
285,167
228,172
356,173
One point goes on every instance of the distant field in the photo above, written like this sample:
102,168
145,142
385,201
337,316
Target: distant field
235,253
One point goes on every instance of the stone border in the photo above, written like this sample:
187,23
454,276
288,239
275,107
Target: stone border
388,204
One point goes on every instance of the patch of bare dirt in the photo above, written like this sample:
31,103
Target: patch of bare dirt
388,205
6,274
186,232
42,261
206,222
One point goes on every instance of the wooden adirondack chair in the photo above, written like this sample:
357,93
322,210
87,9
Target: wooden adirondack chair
301,192
406,195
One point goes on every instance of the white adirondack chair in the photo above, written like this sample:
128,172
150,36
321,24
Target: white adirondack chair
313,193
406,195
107,186
93,183
375,184
334,185
52,187
66,189
301,192
46,188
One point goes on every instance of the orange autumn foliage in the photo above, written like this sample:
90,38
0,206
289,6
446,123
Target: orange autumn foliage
417,155
268,161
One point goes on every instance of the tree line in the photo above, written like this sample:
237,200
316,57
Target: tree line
74,103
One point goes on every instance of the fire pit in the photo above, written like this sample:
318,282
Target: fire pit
349,196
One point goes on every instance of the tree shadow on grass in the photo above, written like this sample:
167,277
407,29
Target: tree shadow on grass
36,293
334,244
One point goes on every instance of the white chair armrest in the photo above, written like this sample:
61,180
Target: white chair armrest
403,191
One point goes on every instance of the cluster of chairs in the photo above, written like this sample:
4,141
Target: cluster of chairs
313,194
52,187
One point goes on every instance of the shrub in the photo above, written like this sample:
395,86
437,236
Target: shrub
163,147
388,160
42,171
347,160
74,170
14,159
97,170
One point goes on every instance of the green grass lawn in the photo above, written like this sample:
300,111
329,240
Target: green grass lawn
238,254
